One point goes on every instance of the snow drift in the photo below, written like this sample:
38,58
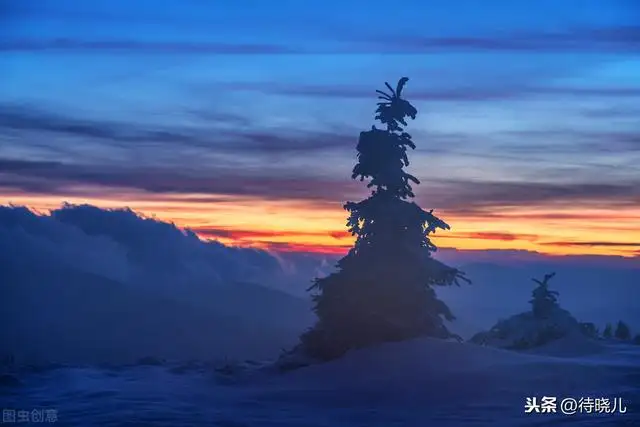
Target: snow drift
415,383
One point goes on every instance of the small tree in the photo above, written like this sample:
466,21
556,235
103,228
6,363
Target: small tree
622,331
636,339
543,301
608,331
382,290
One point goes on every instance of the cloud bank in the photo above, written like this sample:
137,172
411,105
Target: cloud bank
124,246
84,284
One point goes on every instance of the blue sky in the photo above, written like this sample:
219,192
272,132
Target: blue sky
521,104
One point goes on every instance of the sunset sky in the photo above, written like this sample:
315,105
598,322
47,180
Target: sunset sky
239,119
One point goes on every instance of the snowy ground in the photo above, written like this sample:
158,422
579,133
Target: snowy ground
419,383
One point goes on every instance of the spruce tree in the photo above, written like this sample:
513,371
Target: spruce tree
622,331
383,288
543,300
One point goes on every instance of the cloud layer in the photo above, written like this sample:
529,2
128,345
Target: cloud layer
88,285
124,246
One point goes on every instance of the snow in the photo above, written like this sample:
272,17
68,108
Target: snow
416,383
525,330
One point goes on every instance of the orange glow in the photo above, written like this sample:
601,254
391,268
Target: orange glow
319,227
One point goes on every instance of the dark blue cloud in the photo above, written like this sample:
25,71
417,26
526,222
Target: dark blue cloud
615,39
456,94
218,134
623,39
139,47
56,178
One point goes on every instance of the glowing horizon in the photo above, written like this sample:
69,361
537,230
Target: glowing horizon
292,226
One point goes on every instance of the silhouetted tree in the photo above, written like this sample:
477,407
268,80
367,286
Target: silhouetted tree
382,290
608,331
636,339
544,301
622,331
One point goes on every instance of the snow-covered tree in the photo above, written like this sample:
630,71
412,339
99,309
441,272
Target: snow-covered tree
383,289
622,331
543,300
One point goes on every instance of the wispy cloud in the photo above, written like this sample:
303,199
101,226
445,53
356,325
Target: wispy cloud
140,47
490,235
477,93
220,175
260,235
217,134
612,39
611,112
303,247
53,177
595,243
618,39
571,142
545,216
459,194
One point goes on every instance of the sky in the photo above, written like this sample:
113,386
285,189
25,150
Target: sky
239,119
